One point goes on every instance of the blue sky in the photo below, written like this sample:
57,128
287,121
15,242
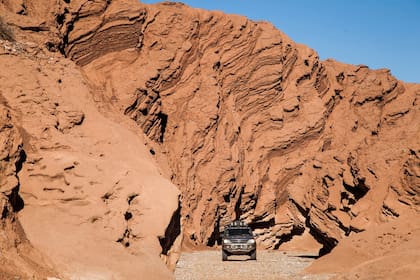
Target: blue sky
377,33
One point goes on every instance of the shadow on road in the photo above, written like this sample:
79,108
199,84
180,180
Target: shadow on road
306,256
239,260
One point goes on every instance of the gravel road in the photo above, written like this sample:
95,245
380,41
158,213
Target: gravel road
269,265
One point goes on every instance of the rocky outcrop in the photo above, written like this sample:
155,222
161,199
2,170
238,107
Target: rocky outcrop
85,172
18,257
246,122
11,159
385,251
256,127
121,31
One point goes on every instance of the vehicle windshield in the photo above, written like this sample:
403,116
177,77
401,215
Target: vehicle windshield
238,231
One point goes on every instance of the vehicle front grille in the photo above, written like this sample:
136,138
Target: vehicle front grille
240,246
236,241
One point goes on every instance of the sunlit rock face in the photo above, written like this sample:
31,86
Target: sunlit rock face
248,124
253,125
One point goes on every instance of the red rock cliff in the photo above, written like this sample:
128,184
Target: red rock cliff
248,123
254,126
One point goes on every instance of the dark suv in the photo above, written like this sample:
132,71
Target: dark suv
238,240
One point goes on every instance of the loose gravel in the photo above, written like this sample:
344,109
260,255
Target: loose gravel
269,265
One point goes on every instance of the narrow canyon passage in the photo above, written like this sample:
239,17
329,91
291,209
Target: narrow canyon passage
133,134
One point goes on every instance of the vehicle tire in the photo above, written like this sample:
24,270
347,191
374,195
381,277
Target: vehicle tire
254,255
224,255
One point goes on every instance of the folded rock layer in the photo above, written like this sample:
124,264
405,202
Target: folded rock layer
255,126
247,123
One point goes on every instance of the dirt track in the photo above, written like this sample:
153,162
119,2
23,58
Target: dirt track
269,265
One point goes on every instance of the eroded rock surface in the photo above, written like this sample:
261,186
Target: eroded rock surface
18,257
247,123
256,127
92,199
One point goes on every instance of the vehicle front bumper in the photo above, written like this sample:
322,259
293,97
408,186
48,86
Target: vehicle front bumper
239,248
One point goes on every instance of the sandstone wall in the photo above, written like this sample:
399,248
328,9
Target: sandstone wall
247,123
252,125
18,257
91,197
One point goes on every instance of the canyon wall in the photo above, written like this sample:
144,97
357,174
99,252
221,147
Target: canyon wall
18,257
81,196
253,125
247,123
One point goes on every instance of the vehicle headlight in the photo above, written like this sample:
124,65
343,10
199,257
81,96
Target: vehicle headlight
251,241
226,241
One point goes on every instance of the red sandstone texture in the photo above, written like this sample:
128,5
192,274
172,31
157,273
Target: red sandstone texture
114,103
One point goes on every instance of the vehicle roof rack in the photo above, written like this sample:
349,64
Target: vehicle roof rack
238,223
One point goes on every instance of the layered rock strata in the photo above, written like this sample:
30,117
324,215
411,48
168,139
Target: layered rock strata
247,123
255,126
90,196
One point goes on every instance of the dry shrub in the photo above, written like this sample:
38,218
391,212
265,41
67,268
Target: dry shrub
5,31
